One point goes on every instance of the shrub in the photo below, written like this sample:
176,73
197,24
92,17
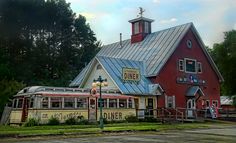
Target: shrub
131,118
71,121
53,121
31,122
83,122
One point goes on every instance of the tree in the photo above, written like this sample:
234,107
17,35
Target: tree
224,55
43,42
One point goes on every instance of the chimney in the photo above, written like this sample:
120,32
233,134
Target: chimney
141,27
121,40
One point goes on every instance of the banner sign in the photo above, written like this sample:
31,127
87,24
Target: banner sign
130,74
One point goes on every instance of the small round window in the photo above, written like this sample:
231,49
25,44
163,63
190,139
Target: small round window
189,43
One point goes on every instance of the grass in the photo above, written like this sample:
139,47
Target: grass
85,129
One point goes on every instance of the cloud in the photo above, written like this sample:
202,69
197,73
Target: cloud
235,26
167,21
156,1
87,15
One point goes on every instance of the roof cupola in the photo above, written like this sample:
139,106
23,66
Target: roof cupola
141,27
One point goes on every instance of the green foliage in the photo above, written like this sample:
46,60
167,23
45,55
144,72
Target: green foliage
43,42
224,55
71,121
131,118
31,122
53,121
7,89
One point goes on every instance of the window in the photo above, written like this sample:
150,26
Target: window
20,103
31,102
130,103
45,102
122,103
136,28
181,65
199,67
99,67
15,103
104,103
215,103
82,103
189,44
69,102
170,101
190,65
112,103
146,27
56,102
207,103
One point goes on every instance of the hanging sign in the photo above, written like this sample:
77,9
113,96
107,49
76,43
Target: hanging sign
130,74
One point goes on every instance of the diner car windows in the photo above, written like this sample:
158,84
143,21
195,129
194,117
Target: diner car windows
190,66
56,102
104,103
20,103
82,103
69,102
112,103
122,103
44,102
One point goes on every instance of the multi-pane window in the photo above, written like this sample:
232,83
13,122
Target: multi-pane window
44,102
69,102
207,103
181,65
215,103
20,103
199,67
56,102
190,65
31,102
146,27
136,28
112,103
122,103
104,103
130,103
15,103
82,103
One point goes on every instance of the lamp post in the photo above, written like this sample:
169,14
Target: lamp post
100,82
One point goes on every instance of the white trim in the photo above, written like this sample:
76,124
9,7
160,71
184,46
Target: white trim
185,59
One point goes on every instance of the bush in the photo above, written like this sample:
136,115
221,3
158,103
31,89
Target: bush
31,122
83,122
131,118
53,121
71,121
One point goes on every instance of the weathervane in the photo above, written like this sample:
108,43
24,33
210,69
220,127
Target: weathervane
141,11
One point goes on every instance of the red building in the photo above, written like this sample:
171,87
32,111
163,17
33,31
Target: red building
168,69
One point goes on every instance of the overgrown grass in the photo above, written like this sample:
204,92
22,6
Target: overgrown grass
67,129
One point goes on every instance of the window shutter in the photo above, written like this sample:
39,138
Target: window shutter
173,98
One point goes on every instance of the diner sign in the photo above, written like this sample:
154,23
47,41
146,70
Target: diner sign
130,74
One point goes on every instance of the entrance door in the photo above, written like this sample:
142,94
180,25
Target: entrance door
92,109
150,107
190,108
25,109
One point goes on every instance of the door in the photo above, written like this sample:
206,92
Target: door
190,108
25,109
92,109
150,107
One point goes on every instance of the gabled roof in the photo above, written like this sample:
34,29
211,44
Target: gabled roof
114,66
154,51
191,92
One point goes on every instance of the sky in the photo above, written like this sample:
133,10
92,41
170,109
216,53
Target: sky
109,18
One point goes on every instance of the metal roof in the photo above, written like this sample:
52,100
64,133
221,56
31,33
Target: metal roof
191,92
153,52
114,66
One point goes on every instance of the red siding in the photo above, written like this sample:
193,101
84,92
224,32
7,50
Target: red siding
169,73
